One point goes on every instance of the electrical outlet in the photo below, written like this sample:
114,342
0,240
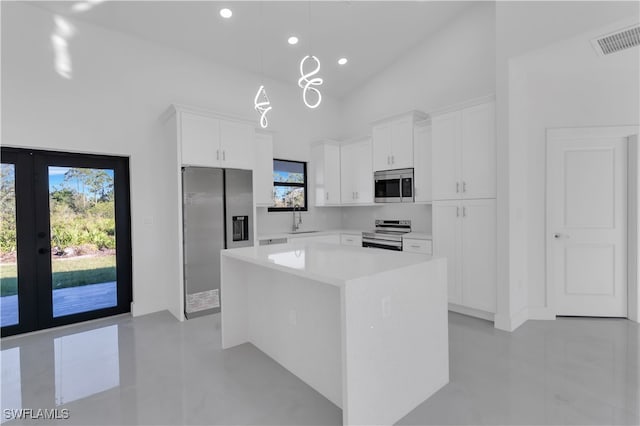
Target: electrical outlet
293,317
386,307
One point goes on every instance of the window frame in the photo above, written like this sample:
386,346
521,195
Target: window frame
294,184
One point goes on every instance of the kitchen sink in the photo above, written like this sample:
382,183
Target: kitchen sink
303,232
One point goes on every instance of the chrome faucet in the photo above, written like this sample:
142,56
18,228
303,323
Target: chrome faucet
295,225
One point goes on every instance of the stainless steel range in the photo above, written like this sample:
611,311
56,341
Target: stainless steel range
387,235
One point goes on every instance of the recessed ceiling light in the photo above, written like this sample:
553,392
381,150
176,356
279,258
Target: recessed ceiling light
226,13
292,40
342,61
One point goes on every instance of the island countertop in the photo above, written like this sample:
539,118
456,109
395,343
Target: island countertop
329,263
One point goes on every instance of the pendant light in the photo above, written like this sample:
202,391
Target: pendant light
306,83
261,101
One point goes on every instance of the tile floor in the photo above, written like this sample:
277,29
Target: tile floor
155,370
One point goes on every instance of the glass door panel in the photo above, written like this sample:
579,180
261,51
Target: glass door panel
83,241
9,310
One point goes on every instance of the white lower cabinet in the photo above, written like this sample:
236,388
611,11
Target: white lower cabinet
330,238
464,232
413,245
351,240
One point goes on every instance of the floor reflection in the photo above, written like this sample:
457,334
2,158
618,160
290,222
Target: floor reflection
11,396
86,363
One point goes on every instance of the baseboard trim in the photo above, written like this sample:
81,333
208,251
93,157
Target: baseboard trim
511,322
471,312
541,314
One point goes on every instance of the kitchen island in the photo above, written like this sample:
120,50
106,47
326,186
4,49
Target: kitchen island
366,328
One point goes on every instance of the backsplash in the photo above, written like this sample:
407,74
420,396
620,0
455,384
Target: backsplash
364,217
317,218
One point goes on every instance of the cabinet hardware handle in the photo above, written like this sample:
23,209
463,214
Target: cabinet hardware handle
464,186
217,154
457,187
223,155
457,211
464,212
327,195
388,160
357,195
393,159
414,246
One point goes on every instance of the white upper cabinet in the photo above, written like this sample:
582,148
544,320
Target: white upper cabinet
356,172
464,153
402,143
325,160
446,156
263,170
422,162
382,147
214,142
236,141
479,152
200,139
393,142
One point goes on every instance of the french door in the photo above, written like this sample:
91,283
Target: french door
65,244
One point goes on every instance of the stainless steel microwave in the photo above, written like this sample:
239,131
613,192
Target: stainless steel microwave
393,186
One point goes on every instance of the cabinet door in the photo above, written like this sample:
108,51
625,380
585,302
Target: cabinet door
402,143
348,173
236,145
200,140
479,254
447,243
325,160
332,173
478,152
422,163
263,170
382,147
446,156
363,175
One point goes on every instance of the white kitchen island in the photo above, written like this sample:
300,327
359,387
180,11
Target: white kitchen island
366,328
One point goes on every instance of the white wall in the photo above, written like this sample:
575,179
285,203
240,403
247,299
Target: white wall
455,64
522,27
119,88
567,85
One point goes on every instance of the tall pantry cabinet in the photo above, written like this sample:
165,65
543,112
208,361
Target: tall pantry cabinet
464,206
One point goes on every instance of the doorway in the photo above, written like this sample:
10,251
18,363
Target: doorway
587,226
65,241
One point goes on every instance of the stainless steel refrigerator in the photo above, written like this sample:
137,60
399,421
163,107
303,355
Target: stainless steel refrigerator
217,213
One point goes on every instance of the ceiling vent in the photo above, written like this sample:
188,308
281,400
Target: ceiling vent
617,41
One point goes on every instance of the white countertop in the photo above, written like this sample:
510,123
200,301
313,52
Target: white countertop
418,236
330,263
287,235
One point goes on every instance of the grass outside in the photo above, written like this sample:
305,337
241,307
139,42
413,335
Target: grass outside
72,272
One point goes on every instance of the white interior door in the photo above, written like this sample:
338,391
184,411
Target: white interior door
587,224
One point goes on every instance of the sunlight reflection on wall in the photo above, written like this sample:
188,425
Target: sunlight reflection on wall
59,39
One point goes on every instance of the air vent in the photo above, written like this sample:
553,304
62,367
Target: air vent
617,41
